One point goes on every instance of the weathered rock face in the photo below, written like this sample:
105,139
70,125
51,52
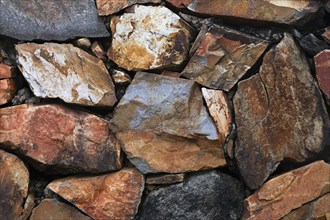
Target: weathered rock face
280,195
326,34
312,45
112,196
50,20
283,12
148,37
54,209
7,90
7,71
187,200
279,114
59,139
66,72
14,185
322,66
108,7
223,57
165,178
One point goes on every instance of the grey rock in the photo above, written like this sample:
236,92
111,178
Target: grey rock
312,45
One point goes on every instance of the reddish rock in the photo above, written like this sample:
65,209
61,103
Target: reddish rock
279,114
14,183
8,89
280,195
165,178
322,66
59,139
7,71
111,196
98,50
108,7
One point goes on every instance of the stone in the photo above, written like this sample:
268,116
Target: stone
28,206
279,113
50,20
8,89
288,191
98,50
223,57
165,178
295,13
164,105
326,34
171,74
312,45
206,195
66,72
83,43
108,7
322,67
111,196
14,185
54,209
58,139
149,37
7,71
24,95
120,77
157,153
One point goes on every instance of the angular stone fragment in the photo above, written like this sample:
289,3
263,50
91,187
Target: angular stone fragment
280,195
279,114
120,77
66,72
165,178
58,139
206,195
312,45
223,57
98,50
171,74
50,20
14,183
164,105
149,37
7,71
326,34
83,43
322,67
108,7
111,196
7,90
54,209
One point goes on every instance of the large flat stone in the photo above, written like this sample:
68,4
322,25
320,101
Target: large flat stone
108,7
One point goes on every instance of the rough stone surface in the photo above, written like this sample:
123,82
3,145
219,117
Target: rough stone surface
188,200
275,11
54,209
312,45
322,66
326,35
280,195
59,139
7,71
50,20
7,90
14,183
66,72
279,114
24,95
108,7
120,77
98,50
149,37
165,105
111,196
83,43
152,153
165,178
223,57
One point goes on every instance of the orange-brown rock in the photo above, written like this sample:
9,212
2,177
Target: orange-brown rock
277,197
58,139
98,50
8,89
108,7
322,67
14,183
7,71
152,153
165,178
111,196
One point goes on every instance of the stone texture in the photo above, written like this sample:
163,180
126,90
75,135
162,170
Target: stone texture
165,178
280,195
8,89
326,34
223,57
111,196
149,37
152,153
7,71
54,209
171,74
275,11
322,67
59,139
24,96
50,20
66,72
14,183
108,7
206,195
279,114
98,50
83,43
312,45
164,105
120,77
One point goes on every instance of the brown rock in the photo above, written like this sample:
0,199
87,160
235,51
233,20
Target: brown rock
83,43
223,57
59,139
7,90
322,66
28,206
326,34
171,74
152,153
7,71
120,77
111,196
149,37
98,50
165,178
14,183
280,195
279,114
108,7
54,209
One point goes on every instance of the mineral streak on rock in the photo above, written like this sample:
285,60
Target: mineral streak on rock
7,90
322,67
108,7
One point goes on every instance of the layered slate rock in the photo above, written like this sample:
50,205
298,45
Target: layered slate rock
188,200
322,67
111,196
288,12
280,195
66,72
14,183
8,89
149,37
58,139
279,114
108,7
223,57
50,20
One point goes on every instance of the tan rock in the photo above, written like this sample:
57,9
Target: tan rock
120,77
108,7
165,178
322,68
7,71
326,34
8,89
111,196
83,43
98,50
66,72
171,73
280,195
